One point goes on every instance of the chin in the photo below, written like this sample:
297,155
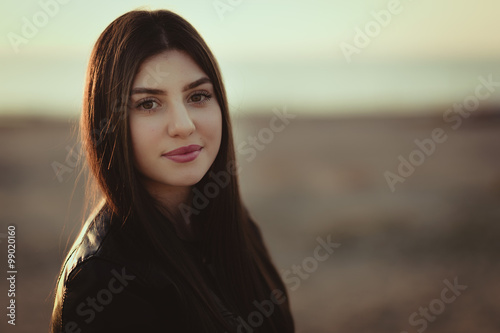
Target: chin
186,180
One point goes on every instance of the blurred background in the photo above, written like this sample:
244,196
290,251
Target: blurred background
364,85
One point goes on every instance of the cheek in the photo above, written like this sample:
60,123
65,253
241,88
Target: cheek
135,136
143,129
141,135
213,126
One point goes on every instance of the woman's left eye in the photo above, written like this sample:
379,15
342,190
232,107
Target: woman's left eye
200,97
148,105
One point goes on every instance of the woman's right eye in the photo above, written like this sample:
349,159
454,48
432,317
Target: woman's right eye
147,105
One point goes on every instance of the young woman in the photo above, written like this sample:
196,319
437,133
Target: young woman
170,247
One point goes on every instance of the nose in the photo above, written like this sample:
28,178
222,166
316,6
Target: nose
180,123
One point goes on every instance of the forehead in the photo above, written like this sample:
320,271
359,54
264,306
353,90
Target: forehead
168,69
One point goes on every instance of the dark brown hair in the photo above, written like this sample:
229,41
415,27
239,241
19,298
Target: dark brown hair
241,262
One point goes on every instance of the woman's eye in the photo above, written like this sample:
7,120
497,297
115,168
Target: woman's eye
147,105
197,98
200,97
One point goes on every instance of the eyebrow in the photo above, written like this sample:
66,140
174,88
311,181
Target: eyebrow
153,91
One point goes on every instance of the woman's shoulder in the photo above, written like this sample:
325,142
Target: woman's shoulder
103,240
89,242
104,285
101,296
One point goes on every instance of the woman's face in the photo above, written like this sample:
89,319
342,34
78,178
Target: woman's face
175,121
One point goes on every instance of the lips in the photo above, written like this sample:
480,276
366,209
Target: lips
184,154
183,150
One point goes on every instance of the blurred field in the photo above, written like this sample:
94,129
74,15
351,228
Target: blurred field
317,177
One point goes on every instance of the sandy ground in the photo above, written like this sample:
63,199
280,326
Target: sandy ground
318,177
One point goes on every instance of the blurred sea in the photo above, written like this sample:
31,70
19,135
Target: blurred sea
312,86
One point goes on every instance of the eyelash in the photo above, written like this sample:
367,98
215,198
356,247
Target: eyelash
141,103
204,93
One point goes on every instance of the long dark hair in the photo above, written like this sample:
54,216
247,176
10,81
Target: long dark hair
241,262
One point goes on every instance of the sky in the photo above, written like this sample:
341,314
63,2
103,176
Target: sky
320,56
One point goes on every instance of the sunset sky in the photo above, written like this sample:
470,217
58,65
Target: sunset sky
427,54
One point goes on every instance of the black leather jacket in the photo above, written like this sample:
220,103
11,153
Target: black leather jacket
107,286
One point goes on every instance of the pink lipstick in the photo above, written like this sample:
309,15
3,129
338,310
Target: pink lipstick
184,154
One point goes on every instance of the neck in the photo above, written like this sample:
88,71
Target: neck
171,198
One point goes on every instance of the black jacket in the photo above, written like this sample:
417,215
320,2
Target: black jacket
107,286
